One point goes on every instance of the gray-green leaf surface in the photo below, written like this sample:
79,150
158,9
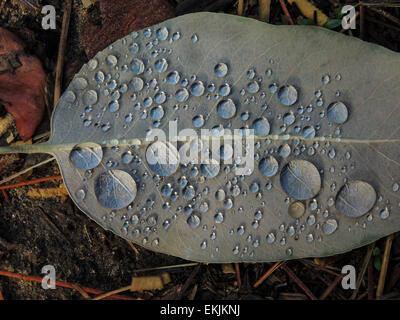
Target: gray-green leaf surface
325,112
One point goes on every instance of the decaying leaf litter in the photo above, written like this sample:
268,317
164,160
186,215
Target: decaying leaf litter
289,273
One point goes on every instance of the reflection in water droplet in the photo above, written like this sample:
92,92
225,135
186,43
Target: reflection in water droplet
355,199
221,69
89,98
210,169
337,112
86,156
80,194
161,65
261,127
289,118
162,33
157,113
182,95
127,157
253,87
137,66
197,88
287,95
162,158
226,109
115,189
300,179
268,166
296,209
329,226
136,84
193,221
308,132
385,213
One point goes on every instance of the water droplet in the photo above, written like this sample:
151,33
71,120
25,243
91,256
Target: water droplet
89,98
226,109
329,226
296,209
261,127
268,166
219,217
270,238
137,66
193,221
162,158
182,95
300,179
115,189
197,88
253,87
287,95
289,118
111,60
162,33
80,194
337,112
210,169
194,38
173,77
157,113
136,84
224,90
355,199
384,214
308,132
86,156
161,65
221,69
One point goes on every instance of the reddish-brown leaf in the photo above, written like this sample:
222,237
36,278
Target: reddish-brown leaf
22,83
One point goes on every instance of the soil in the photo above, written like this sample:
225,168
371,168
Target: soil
36,232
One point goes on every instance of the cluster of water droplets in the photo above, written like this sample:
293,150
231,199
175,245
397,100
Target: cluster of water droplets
135,83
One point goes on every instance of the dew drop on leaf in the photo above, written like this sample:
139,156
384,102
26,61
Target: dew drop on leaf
300,179
115,189
355,199
86,156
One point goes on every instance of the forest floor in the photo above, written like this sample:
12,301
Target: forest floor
38,231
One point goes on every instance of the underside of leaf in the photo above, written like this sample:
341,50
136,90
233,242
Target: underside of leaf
319,172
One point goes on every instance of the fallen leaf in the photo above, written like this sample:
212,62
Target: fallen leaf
22,83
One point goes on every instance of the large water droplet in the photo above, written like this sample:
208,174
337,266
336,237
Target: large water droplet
137,66
162,33
300,179
287,95
221,69
268,166
161,65
210,169
115,189
226,109
261,127
86,156
136,84
337,112
296,209
162,158
197,88
355,199
329,226
89,98
193,221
